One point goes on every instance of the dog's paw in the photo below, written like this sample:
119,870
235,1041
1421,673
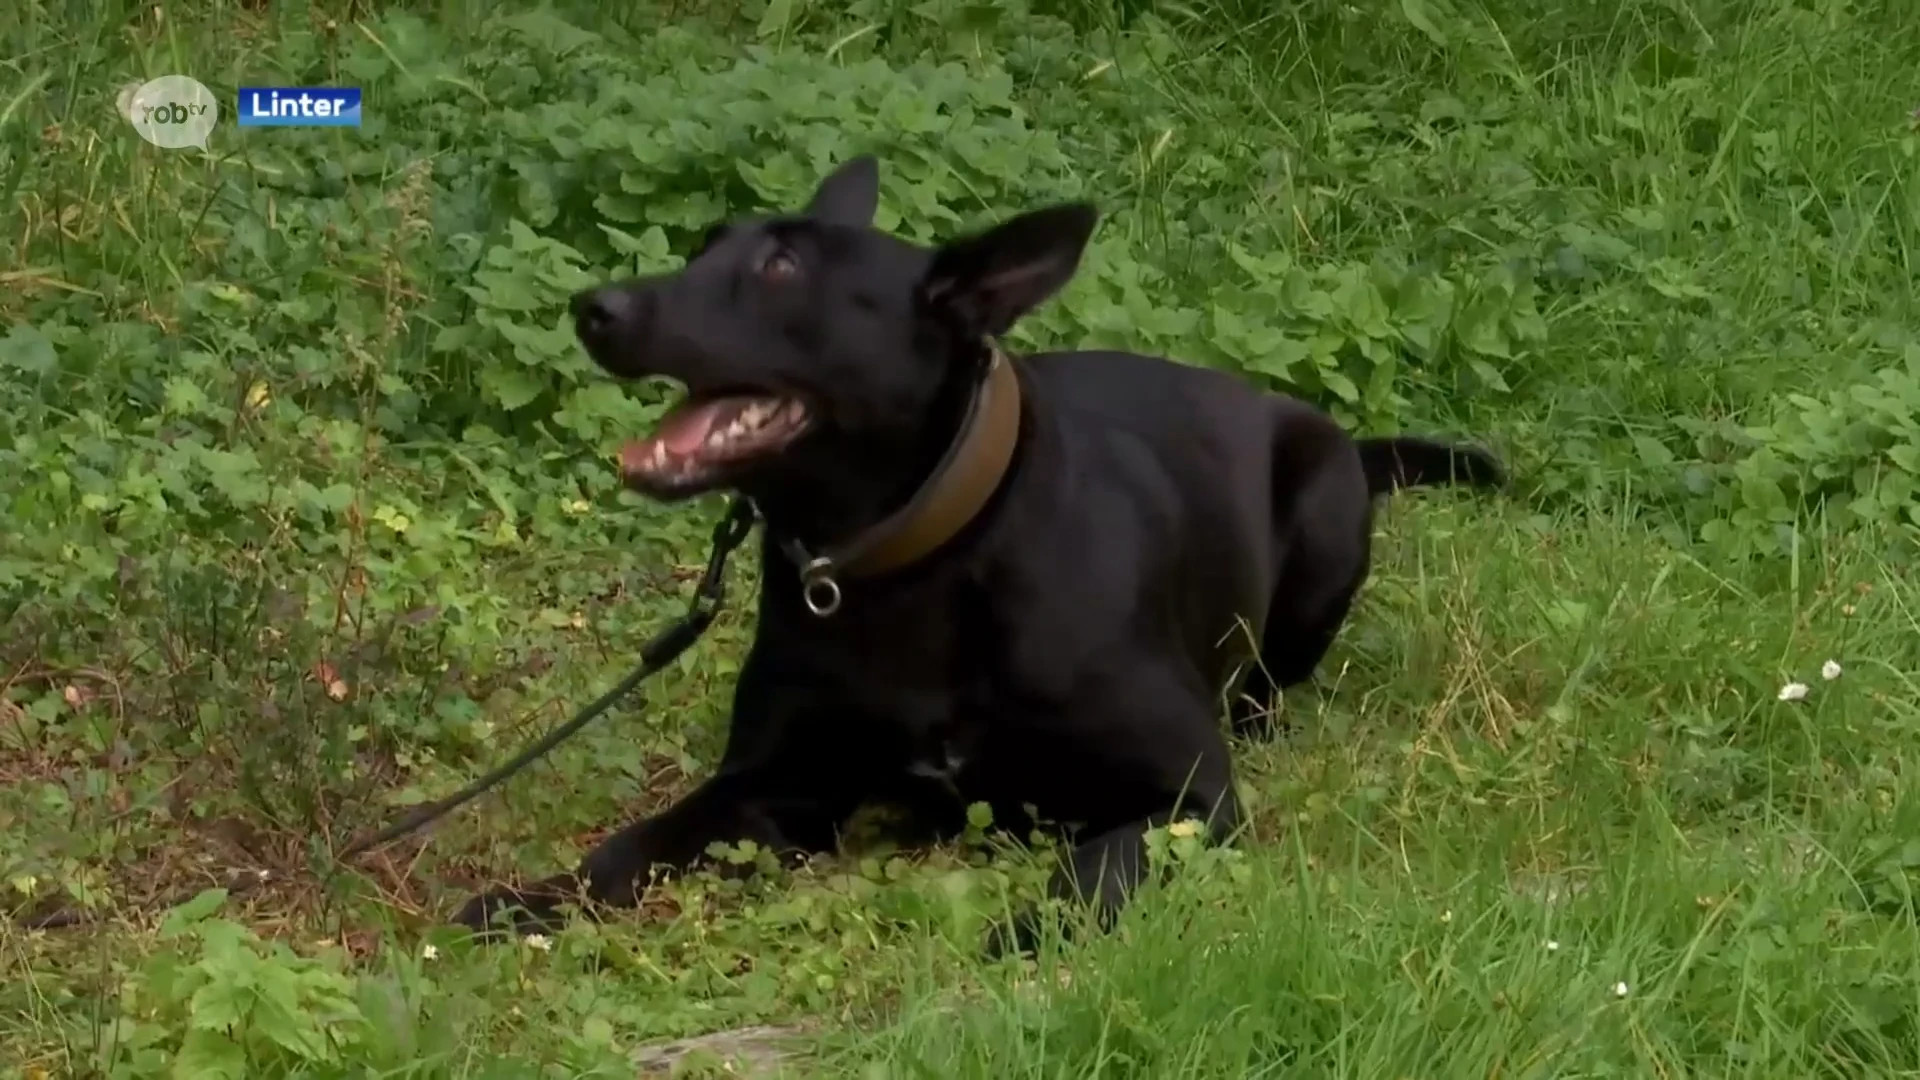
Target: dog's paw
1018,938
503,912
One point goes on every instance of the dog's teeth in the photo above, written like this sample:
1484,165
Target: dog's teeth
738,428
658,460
717,438
754,415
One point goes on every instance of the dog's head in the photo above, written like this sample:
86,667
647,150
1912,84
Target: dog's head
815,350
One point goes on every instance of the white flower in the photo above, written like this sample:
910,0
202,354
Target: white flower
1830,670
1793,691
1553,946
1446,916
429,952
539,942
1619,989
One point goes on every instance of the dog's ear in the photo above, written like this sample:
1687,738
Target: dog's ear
849,195
990,279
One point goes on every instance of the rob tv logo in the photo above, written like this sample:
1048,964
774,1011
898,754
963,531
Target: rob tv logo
299,106
172,112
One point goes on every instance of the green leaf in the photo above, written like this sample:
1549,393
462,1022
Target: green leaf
26,349
237,475
1341,386
224,1003
209,1055
1489,374
1480,331
537,344
1566,613
1279,358
202,905
511,387
454,338
1380,393
651,251
1528,325
1362,305
554,34
775,21
625,242
184,397
1653,454
1416,13
621,207
503,291
1676,289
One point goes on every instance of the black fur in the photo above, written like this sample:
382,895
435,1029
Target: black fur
1066,653
1410,461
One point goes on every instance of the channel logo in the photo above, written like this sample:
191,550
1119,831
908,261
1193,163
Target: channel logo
299,106
172,112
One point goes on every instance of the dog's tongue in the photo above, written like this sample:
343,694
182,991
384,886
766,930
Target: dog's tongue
686,425
683,430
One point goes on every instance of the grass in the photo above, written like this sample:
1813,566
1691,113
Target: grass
309,520
1575,834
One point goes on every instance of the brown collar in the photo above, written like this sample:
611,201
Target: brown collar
966,477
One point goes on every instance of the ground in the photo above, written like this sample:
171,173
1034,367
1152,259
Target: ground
311,518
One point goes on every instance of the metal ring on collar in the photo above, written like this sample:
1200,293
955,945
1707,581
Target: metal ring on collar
822,596
818,589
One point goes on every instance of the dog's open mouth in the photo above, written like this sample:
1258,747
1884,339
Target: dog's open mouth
701,442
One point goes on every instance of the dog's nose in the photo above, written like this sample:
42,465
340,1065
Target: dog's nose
607,312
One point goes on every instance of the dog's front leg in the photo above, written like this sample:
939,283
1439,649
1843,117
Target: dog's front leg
1105,869
730,807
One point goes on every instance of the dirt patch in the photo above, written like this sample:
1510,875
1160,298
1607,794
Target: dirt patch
761,1050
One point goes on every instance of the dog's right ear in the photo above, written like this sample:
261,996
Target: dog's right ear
987,281
849,195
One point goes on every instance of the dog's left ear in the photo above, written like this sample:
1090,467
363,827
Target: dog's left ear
849,195
990,279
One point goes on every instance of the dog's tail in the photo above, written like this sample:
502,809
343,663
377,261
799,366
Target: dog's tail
1410,461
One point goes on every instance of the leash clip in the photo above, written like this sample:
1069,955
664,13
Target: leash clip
818,588
727,535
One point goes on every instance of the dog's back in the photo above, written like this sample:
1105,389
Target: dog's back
1195,458
1255,509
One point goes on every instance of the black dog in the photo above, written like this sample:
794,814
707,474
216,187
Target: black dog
1023,581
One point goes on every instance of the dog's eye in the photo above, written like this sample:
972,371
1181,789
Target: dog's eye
778,264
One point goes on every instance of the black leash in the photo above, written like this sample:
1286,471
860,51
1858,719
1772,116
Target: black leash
657,653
